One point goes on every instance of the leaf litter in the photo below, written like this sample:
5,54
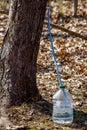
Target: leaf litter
71,53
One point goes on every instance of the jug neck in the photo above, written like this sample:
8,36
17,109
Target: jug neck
62,87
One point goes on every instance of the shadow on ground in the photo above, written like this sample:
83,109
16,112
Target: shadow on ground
80,117
40,113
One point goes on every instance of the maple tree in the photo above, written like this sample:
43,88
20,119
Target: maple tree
19,51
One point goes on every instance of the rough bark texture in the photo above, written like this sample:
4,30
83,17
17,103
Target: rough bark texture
20,49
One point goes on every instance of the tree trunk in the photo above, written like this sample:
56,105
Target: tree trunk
19,51
75,7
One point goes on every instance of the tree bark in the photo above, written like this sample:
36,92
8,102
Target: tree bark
19,51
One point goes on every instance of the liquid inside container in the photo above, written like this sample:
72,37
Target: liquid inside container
62,107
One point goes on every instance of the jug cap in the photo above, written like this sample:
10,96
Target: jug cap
62,86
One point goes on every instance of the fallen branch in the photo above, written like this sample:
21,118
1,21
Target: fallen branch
56,26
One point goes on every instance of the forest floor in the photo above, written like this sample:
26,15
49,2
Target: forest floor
71,53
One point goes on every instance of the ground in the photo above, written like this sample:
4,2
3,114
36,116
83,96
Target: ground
71,53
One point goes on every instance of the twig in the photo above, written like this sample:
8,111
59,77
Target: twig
56,26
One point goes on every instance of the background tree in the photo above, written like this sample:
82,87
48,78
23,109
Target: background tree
19,51
75,7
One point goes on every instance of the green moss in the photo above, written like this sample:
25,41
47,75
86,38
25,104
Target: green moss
33,129
85,110
26,105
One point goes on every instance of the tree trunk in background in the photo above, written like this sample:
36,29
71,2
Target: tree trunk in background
75,7
19,51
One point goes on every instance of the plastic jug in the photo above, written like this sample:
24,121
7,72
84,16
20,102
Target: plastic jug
62,106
